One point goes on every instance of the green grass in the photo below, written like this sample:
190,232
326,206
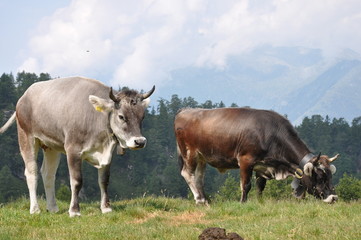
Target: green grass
168,218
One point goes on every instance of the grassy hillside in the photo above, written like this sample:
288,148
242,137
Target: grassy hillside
167,218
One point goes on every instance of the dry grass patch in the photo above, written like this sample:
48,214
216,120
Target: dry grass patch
189,218
174,219
146,218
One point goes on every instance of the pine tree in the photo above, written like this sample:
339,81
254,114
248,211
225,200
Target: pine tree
10,187
7,92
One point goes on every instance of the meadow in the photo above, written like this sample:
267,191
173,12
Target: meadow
175,218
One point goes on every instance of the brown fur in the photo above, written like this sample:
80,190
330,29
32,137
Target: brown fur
244,138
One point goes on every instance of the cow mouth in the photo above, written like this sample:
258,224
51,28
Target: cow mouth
330,199
133,143
135,148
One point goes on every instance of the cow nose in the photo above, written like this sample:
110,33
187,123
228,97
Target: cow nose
140,142
331,199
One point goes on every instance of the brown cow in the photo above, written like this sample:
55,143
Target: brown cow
251,140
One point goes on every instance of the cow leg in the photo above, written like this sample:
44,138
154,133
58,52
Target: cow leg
29,147
103,180
194,176
48,171
245,184
261,184
76,182
246,175
199,181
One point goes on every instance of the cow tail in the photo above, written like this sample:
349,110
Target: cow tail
8,123
180,159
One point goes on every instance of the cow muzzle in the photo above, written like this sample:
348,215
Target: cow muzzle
136,142
330,199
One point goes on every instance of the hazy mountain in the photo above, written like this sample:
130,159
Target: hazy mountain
297,82
335,92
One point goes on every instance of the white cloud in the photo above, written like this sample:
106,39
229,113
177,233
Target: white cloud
138,43
31,64
284,23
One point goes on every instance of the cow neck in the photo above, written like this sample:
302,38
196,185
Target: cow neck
296,183
305,160
110,131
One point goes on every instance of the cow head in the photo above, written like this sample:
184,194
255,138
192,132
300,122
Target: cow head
126,112
317,178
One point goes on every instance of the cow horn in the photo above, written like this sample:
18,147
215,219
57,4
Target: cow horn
334,158
112,97
147,95
318,158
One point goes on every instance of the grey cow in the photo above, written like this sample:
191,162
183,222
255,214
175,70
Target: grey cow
79,117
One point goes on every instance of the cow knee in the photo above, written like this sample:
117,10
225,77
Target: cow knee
77,184
187,176
48,179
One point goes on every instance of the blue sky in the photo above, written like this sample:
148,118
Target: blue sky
18,20
139,43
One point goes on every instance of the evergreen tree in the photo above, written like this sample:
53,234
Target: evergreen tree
230,190
154,169
174,105
349,188
208,104
10,187
24,80
7,92
189,102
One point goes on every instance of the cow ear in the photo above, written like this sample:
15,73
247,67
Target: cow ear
307,169
333,169
100,104
146,102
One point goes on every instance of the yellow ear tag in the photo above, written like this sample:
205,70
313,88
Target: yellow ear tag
99,109
298,173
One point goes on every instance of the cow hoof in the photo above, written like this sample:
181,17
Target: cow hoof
202,202
74,214
35,210
106,210
53,209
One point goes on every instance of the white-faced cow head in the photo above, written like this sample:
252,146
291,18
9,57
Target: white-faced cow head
318,177
126,112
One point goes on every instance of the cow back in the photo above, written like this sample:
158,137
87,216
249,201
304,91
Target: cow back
223,134
59,109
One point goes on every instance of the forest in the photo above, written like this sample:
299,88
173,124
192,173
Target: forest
154,170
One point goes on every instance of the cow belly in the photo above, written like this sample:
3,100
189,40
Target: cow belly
222,163
269,172
47,143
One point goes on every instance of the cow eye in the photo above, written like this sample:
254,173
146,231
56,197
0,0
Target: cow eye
121,117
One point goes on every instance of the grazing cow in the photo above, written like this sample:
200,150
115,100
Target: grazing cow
79,117
251,140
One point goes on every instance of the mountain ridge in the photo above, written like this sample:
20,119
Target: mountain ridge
294,81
